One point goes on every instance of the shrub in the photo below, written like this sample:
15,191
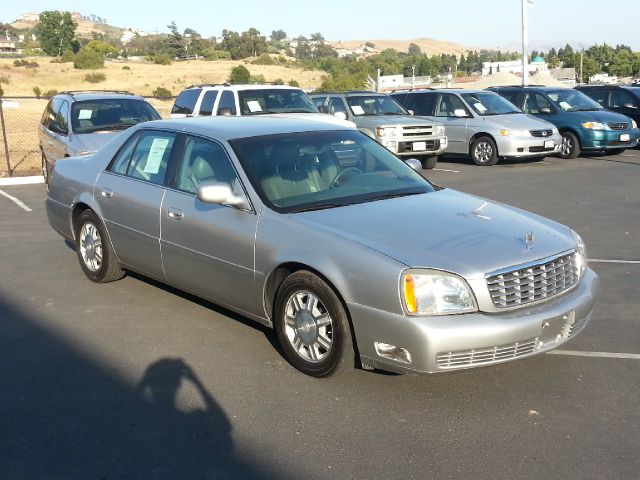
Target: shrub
257,79
160,59
278,81
263,59
294,83
239,74
162,92
25,63
1,92
36,91
66,57
4,79
126,67
95,77
50,93
87,58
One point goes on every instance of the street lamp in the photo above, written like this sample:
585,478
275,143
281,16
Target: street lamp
525,41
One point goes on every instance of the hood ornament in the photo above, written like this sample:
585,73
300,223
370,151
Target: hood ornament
528,240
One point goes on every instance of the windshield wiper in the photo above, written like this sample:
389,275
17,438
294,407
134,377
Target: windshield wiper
393,113
320,206
386,196
102,128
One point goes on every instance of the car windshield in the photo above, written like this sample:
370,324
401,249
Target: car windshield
297,172
374,105
256,102
570,100
485,104
89,116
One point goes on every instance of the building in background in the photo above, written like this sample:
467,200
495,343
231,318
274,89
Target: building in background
537,65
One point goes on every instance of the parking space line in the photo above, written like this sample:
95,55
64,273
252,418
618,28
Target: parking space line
445,170
16,201
576,353
623,262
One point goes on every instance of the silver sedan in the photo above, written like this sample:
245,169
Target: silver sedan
316,230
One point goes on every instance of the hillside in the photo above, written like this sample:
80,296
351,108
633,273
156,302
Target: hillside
427,45
85,27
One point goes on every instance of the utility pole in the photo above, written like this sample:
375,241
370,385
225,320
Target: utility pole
525,40
413,76
581,54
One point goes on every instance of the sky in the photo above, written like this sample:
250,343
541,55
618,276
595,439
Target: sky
472,23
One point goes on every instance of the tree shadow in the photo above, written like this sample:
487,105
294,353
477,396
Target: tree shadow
66,415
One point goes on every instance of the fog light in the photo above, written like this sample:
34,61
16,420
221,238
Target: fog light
392,352
390,145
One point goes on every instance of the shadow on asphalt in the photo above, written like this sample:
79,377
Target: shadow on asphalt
64,415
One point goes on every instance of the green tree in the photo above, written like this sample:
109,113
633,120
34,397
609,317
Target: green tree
414,50
56,32
87,58
278,35
239,74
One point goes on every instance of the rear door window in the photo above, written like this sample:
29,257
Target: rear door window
336,104
620,98
513,97
120,163
150,158
227,103
186,102
448,104
209,98
536,104
599,95
421,103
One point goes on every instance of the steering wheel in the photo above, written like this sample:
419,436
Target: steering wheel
342,176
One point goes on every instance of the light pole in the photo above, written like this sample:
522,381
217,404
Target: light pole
525,41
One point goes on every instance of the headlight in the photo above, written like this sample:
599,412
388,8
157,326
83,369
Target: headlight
555,131
594,126
432,292
581,254
634,124
515,133
385,131
440,130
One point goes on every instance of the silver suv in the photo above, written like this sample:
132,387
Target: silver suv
384,120
80,122
483,125
226,99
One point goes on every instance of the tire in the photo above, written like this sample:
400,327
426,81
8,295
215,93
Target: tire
312,326
484,151
616,151
93,246
45,169
429,161
570,147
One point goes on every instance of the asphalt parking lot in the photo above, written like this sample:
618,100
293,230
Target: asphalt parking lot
136,380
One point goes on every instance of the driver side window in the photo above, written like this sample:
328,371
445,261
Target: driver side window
536,104
202,161
448,104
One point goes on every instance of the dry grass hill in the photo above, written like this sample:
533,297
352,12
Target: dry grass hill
427,45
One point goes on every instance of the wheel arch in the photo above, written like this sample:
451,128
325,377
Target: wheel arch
482,134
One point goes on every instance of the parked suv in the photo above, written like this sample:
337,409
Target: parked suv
624,99
384,120
80,122
482,124
583,124
226,99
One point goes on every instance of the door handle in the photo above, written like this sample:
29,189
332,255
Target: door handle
175,214
106,193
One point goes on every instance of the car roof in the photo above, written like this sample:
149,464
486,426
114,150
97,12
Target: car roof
240,87
457,91
232,127
626,87
544,88
352,93
80,95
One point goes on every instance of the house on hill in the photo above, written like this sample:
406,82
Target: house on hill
8,43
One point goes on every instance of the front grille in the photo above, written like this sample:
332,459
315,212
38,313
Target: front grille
618,126
541,133
479,356
533,283
419,131
431,145
541,149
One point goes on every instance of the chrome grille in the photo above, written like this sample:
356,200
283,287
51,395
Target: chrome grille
618,126
533,283
577,327
479,356
418,131
541,133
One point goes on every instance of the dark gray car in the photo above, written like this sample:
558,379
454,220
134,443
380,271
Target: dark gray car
80,122
352,261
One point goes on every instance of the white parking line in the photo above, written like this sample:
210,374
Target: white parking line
16,201
623,262
445,170
575,353
627,155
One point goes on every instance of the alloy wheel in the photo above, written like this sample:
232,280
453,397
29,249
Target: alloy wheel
308,326
483,152
91,246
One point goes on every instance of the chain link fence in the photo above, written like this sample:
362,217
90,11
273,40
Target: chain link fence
19,121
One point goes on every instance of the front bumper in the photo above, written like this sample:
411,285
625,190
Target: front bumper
455,342
609,139
405,147
522,147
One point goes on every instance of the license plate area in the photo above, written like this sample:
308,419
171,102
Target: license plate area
419,146
625,137
549,144
556,328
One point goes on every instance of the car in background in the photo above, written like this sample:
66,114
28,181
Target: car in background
384,120
482,124
366,265
624,99
224,99
582,122
81,122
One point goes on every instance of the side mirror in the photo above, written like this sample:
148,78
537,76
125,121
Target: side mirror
340,115
55,127
460,113
411,112
630,105
545,110
323,109
415,164
220,193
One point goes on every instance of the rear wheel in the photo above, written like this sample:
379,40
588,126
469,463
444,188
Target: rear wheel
97,258
312,326
570,147
429,161
45,169
484,151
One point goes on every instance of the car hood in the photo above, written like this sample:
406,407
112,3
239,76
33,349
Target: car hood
603,116
518,121
389,120
92,142
445,230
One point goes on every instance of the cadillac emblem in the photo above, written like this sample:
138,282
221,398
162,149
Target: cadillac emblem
528,240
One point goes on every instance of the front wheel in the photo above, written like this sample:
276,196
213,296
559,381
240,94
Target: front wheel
97,258
484,151
570,147
429,161
312,326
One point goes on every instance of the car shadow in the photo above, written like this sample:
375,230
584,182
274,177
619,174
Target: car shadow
505,162
68,415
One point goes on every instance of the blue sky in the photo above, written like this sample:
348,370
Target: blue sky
475,23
